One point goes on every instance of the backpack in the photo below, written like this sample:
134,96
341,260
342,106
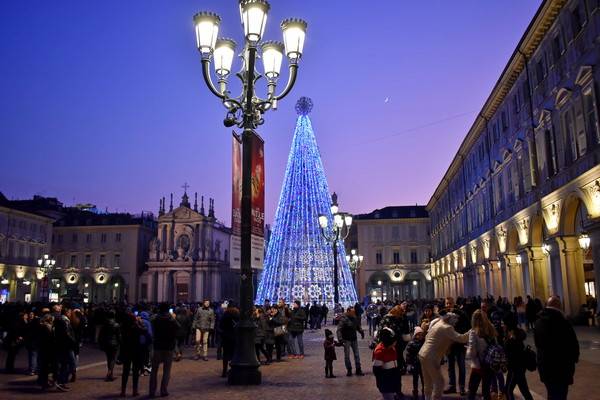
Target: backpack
495,357
530,359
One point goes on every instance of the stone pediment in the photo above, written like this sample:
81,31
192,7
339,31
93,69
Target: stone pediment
182,213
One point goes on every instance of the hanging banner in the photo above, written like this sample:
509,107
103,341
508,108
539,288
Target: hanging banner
258,202
235,250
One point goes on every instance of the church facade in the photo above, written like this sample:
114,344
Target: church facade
189,257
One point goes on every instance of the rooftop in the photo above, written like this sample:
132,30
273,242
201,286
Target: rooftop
396,212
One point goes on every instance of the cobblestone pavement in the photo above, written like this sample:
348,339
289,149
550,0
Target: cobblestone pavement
291,379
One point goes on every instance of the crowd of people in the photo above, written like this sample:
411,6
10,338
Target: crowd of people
418,338
489,334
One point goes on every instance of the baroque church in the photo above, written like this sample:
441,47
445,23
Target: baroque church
189,257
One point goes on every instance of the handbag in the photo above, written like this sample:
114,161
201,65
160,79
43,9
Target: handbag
280,330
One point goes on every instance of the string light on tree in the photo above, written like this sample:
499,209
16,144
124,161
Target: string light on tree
299,263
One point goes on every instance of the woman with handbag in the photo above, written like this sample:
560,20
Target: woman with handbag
277,323
517,358
481,335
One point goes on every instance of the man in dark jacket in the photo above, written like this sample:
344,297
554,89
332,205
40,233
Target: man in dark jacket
164,328
296,329
315,316
557,349
348,325
65,347
457,352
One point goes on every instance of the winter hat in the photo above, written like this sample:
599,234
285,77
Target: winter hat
418,329
328,333
387,336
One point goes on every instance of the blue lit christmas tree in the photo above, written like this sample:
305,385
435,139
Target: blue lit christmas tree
299,262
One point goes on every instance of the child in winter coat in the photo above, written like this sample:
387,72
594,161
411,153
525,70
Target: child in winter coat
385,365
329,347
412,359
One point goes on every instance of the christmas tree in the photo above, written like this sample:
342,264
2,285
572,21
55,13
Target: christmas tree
299,261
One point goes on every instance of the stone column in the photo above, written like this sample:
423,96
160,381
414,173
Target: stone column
150,284
538,272
161,284
199,278
571,267
216,286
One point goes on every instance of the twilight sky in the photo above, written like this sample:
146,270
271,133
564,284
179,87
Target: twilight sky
104,102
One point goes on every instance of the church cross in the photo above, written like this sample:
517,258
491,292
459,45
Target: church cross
185,187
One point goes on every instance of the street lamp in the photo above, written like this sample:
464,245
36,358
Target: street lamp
584,241
354,261
46,265
338,231
246,111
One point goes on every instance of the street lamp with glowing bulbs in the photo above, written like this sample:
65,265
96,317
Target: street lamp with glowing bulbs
354,261
246,111
338,231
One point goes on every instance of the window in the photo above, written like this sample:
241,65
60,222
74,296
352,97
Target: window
226,259
395,232
88,261
378,258
60,238
103,238
540,71
591,116
117,261
118,237
550,152
504,119
73,262
102,260
412,232
515,104
569,135
396,257
11,249
74,238
557,48
88,238
413,257
576,21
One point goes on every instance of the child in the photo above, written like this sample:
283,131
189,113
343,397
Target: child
412,359
385,366
329,347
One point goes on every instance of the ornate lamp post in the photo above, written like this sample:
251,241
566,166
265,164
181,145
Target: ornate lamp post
354,261
245,111
339,231
46,264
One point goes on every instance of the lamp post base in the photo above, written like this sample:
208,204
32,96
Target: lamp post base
244,376
244,366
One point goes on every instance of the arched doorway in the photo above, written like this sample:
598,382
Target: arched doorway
378,287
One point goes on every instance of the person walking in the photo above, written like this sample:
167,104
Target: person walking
204,323
132,356
65,348
164,328
347,328
372,312
315,316
456,356
146,342
183,322
276,321
482,333
230,318
440,336
109,340
260,334
46,350
514,347
296,329
557,349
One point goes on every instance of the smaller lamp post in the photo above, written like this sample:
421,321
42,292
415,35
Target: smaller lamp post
46,265
339,231
354,261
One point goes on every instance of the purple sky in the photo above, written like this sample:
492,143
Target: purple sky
104,102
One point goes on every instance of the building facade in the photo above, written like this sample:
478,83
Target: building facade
524,186
188,258
24,238
396,247
99,256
